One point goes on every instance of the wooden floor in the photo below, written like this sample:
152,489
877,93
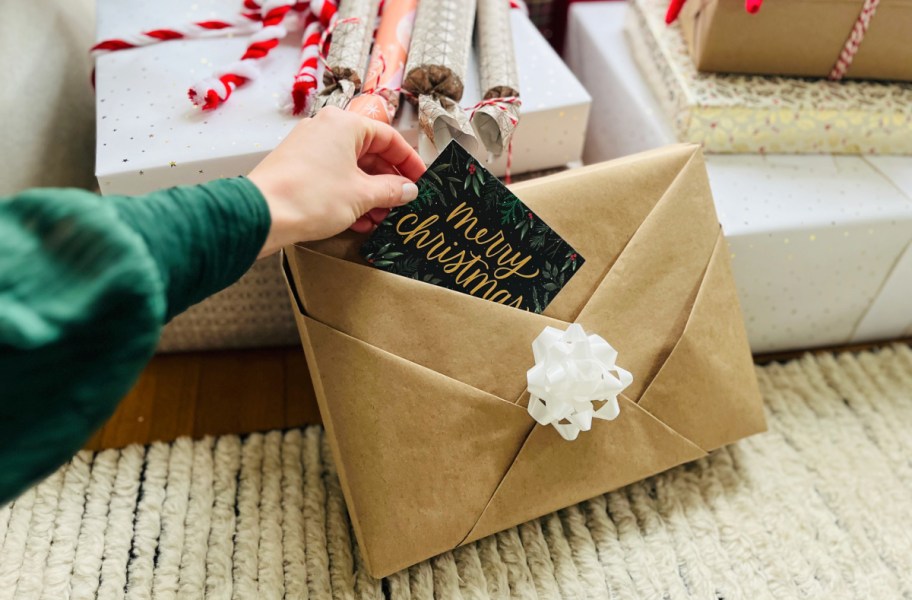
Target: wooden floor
238,391
214,393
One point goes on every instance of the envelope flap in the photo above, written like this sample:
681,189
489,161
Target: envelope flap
437,447
643,303
707,389
550,473
483,344
598,209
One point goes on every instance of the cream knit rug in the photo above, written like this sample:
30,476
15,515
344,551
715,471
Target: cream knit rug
819,507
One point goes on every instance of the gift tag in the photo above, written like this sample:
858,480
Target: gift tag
467,232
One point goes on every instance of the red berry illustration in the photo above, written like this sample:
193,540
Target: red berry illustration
471,169
530,216
573,256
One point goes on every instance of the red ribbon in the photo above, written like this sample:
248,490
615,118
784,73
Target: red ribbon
675,6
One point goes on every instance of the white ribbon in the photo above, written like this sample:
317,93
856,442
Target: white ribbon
574,371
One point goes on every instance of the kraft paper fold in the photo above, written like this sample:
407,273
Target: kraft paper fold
422,388
346,61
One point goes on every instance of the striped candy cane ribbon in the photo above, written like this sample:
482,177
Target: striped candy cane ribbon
850,49
212,92
501,104
305,84
242,24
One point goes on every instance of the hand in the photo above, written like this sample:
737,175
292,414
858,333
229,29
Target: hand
334,171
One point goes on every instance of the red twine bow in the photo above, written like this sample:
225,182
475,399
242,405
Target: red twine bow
502,104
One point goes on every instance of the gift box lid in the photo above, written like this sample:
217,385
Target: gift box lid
150,136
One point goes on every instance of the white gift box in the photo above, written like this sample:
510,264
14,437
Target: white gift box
820,244
151,137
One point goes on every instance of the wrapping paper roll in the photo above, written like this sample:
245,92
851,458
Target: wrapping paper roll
346,61
495,120
436,71
380,95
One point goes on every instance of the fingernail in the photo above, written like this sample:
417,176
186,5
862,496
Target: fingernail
409,192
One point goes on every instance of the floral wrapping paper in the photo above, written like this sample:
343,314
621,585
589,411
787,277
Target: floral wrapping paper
379,98
494,124
759,114
346,60
436,71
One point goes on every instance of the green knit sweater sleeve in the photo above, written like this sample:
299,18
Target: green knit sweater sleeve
86,284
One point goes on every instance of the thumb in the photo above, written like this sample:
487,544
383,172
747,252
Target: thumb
389,191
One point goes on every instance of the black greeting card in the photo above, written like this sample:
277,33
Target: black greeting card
467,232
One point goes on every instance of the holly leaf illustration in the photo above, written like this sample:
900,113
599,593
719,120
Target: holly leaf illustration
409,266
511,210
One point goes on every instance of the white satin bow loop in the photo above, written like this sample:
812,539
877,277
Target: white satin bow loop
573,372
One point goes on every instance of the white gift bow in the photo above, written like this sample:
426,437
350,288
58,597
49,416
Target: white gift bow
572,372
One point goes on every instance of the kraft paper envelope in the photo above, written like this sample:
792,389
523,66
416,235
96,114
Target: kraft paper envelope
423,389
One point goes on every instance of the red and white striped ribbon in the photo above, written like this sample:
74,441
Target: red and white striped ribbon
210,93
244,23
305,82
850,49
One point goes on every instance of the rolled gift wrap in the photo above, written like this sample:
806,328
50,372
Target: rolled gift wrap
495,120
352,33
380,95
435,73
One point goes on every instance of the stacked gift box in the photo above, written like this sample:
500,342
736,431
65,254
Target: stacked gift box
809,174
150,136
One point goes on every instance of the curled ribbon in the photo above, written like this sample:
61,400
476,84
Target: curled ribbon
572,373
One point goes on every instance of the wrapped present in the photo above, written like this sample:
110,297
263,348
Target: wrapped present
436,71
346,62
555,107
497,115
380,97
752,113
820,244
151,137
436,438
851,39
